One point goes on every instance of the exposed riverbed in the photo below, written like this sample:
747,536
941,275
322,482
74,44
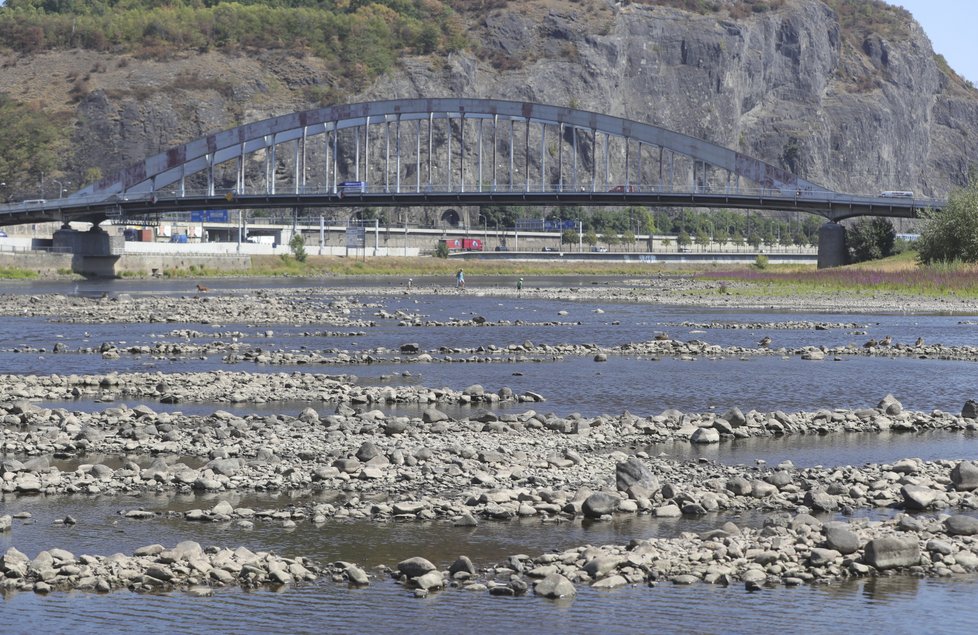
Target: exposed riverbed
369,424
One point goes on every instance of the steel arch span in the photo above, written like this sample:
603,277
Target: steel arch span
481,131
450,152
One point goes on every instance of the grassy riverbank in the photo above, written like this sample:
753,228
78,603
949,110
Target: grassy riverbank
420,267
898,274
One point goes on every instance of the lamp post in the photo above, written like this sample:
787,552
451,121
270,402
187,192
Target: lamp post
61,187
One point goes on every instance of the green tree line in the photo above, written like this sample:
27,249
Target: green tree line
360,37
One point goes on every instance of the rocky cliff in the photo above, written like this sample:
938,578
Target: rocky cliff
858,104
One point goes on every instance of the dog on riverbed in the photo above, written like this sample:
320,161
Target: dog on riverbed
201,288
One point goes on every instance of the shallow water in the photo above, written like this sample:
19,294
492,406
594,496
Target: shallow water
642,386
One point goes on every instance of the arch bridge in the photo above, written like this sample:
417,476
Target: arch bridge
451,152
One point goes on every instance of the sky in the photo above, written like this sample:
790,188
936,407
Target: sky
951,29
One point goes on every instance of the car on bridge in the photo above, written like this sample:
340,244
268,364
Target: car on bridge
896,194
352,187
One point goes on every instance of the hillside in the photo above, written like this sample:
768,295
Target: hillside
848,93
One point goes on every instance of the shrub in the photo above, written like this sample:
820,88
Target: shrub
761,261
442,250
298,246
870,239
952,233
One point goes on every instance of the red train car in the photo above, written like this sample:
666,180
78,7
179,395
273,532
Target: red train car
463,244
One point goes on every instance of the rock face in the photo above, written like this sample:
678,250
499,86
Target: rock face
853,107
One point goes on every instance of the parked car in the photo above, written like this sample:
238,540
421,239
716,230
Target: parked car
548,249
502,248
601,250
3,234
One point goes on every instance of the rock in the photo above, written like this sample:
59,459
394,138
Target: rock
891,552
611,582
735,417
739,486
918,498
964,475
462,563
970,409
601,357
599,504
415,567
367,451
890,405
838,537
430,580
410,348
633,472
6,522
357,576
821,501
433,415
705,435
959,525
819,557
554,586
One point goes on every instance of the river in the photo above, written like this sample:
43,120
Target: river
642,386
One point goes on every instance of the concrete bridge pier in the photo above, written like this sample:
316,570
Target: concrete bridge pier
832,251
94,253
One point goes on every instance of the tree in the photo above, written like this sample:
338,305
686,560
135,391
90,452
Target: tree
951,233
702,238
569,237
298,246
610,239
870,239
683,239
628,239
591,237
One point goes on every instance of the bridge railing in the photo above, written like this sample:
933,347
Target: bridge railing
623,190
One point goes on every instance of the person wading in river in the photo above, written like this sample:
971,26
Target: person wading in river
460,280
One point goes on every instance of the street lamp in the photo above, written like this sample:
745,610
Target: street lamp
61,187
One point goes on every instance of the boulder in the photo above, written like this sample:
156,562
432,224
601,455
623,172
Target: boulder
917,497
739,486
821,501
599,504
555,586
891,552
415,567
735,417
964,475
633,472
961,526
890,405
970,409
705,435
838,537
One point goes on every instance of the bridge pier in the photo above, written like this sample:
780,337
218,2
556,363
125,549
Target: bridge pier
94,253
832,251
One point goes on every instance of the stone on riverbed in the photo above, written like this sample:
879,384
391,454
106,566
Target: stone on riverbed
839,537
917,497
705,435
964,475
600,504
892,552
555,586
5,523
961,526
415,567
632,472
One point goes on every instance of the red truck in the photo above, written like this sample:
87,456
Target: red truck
463,244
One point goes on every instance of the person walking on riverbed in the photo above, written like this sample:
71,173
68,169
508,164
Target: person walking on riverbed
460,280
519,288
